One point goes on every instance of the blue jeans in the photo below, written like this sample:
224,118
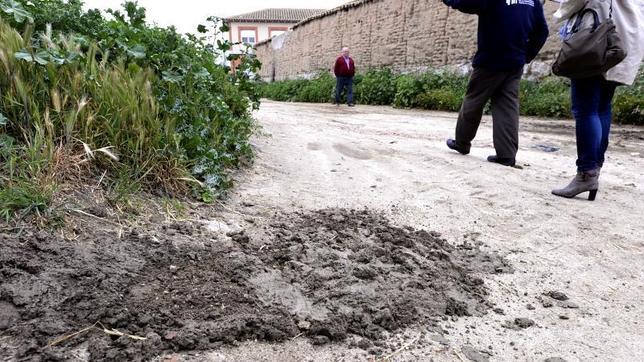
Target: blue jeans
592,108
341,83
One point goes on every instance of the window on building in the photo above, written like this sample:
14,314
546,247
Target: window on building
277,32
248,37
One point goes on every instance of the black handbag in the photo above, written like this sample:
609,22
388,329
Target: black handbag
591,51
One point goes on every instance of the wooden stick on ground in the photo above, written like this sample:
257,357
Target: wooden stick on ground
96,217
70,336
112,332
401,349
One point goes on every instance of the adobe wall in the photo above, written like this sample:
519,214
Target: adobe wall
406,35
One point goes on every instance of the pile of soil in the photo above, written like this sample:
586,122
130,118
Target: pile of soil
326,274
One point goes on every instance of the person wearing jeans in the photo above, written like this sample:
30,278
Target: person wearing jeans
592,97
510,35
344,70
342,84
592,109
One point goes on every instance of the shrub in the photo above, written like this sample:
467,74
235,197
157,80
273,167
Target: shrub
318,90
442,91
629,102
555,105
548,98
443,99
285,91
629,108
445,91
407,89
377,87
443,80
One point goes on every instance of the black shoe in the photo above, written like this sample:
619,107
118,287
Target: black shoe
351,105
452,145
510,162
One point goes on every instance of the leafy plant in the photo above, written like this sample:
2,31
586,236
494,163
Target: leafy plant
440,99
15,9
548,98
378,87
138,102
628,106
407,89
445,91
320,89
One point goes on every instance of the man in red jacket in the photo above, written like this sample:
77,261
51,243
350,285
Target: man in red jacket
344,70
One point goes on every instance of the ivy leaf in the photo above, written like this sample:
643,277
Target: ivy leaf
202,29
3,120
172,77
202,73
24,55
72,56
138,52
20,14
41,57
57,59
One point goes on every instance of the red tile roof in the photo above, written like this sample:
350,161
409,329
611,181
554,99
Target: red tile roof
275,16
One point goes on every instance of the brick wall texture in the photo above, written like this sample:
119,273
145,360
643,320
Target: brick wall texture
405,35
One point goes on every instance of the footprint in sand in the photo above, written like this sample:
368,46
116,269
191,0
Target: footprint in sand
314,146
352,152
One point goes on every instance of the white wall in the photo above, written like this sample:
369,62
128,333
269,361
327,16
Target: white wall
262,31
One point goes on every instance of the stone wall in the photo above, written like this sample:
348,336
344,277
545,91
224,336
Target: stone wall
406,35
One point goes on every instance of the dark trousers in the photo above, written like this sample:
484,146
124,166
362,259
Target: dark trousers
340,85
502,87
592,108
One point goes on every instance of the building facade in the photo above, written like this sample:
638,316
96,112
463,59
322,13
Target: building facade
255,27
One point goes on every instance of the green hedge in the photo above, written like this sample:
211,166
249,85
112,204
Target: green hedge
628,106
444,91
377,87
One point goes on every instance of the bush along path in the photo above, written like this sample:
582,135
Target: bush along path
444,91
139,106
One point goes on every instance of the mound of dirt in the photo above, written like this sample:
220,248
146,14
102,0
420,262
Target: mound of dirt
352,272
325,274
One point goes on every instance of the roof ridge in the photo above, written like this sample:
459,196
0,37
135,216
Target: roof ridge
344,7
289,15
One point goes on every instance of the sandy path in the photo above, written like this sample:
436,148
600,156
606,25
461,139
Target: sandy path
316,156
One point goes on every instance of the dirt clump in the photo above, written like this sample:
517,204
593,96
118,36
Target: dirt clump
519,323
474,355
326,274
556,295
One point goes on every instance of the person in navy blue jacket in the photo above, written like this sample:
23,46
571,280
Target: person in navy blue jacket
510,35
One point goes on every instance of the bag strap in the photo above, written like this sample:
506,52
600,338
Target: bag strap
580,18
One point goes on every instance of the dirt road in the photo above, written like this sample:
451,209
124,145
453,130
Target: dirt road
319,156
356,235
